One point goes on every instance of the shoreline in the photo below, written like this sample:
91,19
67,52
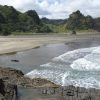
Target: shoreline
14,44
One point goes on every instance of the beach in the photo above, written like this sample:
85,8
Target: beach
51,57
11,44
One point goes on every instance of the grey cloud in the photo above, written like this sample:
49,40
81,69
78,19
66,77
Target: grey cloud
56,8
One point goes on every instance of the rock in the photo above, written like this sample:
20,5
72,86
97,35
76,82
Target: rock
2,91
15,60
73,32
17,77
43,83
68,93
46,89
8,91
36,47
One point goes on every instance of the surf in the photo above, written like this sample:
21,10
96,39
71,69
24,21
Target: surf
80,67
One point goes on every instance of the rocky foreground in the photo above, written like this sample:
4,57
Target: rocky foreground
43,89
8,91
16,77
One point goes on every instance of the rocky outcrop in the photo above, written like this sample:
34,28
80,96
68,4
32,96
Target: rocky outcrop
42,88
17,77
8,91
68,93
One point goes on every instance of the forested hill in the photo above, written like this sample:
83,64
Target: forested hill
12,20
54,21
76,21
97,20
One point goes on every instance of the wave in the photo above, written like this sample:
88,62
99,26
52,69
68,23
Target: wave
90,82
52,75
82,59
79,67
85,65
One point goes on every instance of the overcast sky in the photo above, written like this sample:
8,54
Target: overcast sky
59,9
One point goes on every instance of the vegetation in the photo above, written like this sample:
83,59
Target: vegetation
13,22
76,21
97,26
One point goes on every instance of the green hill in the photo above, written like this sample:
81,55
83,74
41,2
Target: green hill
12,20
76,21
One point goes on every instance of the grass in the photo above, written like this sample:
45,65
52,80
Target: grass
57,29
22,33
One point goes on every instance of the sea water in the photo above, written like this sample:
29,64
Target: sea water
80,67
73,63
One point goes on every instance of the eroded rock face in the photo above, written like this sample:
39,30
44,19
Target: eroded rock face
42,88
8,91
17,77
68,93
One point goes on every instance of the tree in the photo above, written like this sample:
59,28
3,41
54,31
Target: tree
6,32
78,21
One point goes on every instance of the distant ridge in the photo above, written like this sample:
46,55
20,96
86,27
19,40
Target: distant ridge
76,21
12,20
54,21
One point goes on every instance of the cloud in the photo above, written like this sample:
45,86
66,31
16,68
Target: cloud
56,8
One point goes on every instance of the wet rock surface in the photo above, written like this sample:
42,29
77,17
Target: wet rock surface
17,77
41,89
67,93
8,91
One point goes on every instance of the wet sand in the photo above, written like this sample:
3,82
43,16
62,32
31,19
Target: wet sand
11,44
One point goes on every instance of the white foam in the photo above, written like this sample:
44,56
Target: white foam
54,76
71,55
84,65
41,74
64,78
55,65
86,59
96,50
46,65
85,82
75,54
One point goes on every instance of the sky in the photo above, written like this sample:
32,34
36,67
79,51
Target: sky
56,9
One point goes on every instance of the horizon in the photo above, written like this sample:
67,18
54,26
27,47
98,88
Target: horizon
58,9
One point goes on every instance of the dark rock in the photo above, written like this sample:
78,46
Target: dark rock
15,60
2,91
73,32
8,91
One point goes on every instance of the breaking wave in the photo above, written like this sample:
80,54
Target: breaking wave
80,67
